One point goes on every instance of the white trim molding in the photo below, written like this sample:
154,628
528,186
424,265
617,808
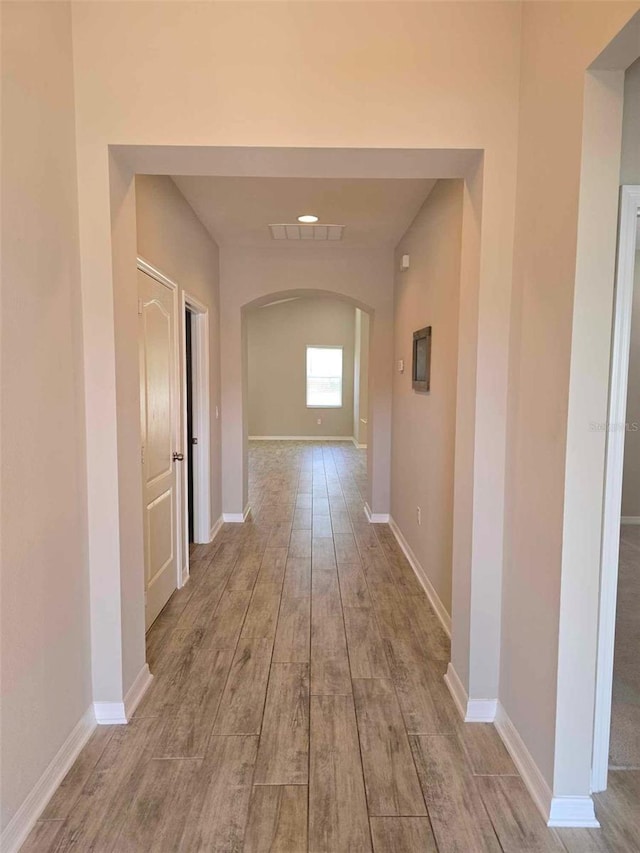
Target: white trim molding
300,438
119,713
358,446
201,405
154,272
573,812
217,527
471,710
432,595
376,517
110,713
24,819
236,517
137,690
556,811
456,688
481,711
630,519
614,459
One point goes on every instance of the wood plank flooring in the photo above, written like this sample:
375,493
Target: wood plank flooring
298,703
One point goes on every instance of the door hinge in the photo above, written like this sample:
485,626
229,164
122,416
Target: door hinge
142,455
139,306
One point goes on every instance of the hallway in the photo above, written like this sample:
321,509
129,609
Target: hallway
298,701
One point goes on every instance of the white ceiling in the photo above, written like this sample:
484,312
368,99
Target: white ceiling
238,211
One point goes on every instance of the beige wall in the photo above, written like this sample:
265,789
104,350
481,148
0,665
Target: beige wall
45,642
171,237
277,337
631,475
559,43
422,455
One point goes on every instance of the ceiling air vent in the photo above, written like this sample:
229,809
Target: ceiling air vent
306,232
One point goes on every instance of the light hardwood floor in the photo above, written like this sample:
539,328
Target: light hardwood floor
298,703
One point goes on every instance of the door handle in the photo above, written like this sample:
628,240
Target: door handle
178,457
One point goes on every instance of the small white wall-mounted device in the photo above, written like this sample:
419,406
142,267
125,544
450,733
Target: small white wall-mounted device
401,365
404,263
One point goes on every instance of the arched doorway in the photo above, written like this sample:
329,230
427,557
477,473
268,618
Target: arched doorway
257,278
274,332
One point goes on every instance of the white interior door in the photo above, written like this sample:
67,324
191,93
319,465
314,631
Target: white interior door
158,410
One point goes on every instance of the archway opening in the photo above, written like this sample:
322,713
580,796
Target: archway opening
306,392
306,376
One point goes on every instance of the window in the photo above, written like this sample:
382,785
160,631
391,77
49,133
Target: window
324,377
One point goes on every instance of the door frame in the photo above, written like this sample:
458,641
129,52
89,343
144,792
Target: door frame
180,516
201,419
614,460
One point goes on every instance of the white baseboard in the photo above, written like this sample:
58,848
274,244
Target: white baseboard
471,710
25,818
359,446
119,713
236,517
300,438
456,688
556,811
573,812
481,710
217,527
630,519
376,517
110,713
137,690
432,595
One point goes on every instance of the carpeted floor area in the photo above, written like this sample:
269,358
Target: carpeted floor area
624,751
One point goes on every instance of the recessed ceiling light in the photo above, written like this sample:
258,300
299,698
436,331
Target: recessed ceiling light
308,217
